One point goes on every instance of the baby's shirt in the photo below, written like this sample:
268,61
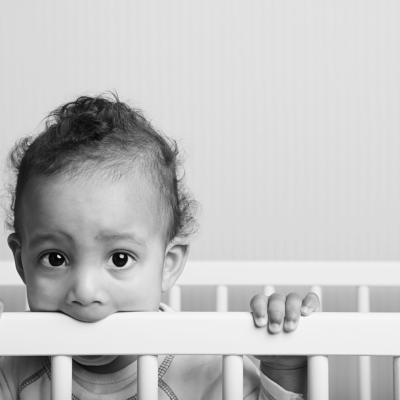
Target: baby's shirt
179,378
182,377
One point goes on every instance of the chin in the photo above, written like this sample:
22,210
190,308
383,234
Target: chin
94,360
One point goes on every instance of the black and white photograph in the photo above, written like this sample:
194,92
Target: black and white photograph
200,200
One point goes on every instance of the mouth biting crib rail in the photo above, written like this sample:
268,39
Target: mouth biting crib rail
228,334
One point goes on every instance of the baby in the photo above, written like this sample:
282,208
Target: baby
101,224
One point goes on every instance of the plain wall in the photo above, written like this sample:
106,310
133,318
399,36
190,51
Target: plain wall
287,113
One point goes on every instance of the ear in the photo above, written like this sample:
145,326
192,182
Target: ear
175,258
15,245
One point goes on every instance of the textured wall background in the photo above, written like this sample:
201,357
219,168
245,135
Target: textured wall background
288,112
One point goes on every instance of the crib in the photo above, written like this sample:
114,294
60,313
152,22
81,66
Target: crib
316,337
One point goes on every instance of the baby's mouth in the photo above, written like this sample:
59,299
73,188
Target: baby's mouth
87,314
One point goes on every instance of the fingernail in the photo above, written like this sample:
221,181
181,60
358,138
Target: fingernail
290,325
274,327
261,321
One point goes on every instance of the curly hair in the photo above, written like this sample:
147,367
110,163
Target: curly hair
92,132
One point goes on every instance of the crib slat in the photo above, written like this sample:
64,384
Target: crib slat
222,298
61,378
318,291
318,378
364,362
363,298
268,290
147,377
364,377
396,378
232,384
175,298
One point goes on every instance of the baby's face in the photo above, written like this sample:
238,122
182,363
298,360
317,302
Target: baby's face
91,246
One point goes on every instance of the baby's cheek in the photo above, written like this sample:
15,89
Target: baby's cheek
138,298
43,297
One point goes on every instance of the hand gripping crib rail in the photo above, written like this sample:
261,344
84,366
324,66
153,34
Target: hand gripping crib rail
316,337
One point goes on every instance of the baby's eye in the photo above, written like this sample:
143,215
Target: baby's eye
121,260
52,259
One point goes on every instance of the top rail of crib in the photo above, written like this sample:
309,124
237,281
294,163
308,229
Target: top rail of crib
253,273
197,333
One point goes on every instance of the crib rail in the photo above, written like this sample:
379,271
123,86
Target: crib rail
253,273
185,333
228,334
292,273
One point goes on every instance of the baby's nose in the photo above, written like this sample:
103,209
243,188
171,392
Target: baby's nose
85,288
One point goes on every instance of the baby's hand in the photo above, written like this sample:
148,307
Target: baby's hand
278,311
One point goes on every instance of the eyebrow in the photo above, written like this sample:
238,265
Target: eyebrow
103,236
106,236
45,236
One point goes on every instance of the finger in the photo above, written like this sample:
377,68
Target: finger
258,305
310,304
276,312
292,312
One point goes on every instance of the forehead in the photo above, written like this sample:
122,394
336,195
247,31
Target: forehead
89,205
